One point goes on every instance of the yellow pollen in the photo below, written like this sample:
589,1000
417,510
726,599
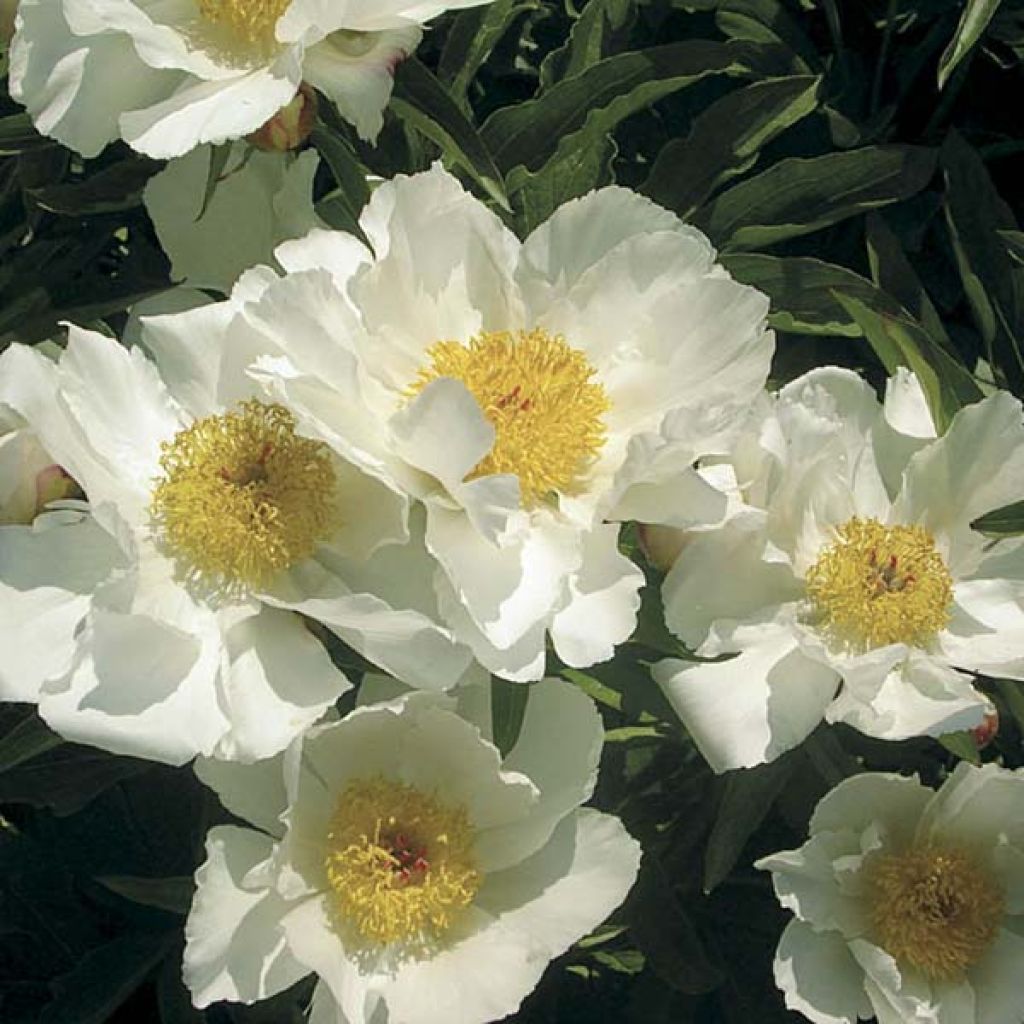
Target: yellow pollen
879,585
539,396
400,864
242,496
934,908
253,21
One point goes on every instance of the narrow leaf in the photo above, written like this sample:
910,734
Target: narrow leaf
171,894
508,708
973,22
797,196
29,738
1007,521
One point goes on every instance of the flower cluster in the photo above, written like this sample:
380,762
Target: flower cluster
401,460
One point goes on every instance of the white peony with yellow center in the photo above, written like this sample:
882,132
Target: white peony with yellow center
154,613
908,903
848,581
421,876
532,395
167,77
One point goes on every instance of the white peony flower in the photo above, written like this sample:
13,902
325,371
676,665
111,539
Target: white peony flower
394,854
909,904
529,394
155,619
167,77
261,200
850,560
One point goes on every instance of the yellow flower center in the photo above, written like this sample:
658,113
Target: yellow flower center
538,394
242,496
934,908
253,21
879,585
400,863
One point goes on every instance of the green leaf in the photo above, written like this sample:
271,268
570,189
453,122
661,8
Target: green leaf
537,194
994,283
422,102
892,272
665,933
472,38
66,778
766,21
973,22
18,135
508,708
341,207
594,688
608,91
29,738
1007,521
1014,244
111,190
1012,693
898,340
802,292
593,36
747,797
962,745
171,894
219,156
105,978
800,195
726,139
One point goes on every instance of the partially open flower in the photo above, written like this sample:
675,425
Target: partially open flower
909,904
397,856
290,126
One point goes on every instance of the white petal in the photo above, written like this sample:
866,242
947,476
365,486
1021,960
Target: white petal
211,111
920,696
235,947
536,910
696,592
558,749
977,806
278,680
819,977
806,882
253,792
976,466
357,74
996,981
47,577
603,600
140,686
314,942
860,801
751,708
905,407
75,88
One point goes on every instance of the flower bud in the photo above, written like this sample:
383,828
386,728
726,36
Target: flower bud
985,733
290,126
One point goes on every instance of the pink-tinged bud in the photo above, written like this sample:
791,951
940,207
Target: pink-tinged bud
661,544
985,733
53,484
290,126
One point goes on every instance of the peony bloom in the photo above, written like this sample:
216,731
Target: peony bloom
850,559
909,903
167,77
156,617
396,856
529,394
260,200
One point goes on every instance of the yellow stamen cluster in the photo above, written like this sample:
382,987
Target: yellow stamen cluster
934,908
243,497
400,864
539,395
879,585
252,21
